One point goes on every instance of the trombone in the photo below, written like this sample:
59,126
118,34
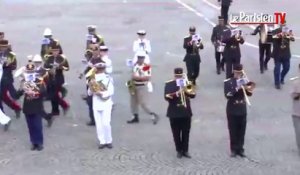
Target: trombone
184,87
244,90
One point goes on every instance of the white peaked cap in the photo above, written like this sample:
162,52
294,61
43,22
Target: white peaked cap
37,58
47,32
29,57
91,26
141,32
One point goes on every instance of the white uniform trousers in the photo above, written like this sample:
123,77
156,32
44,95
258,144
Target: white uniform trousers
102,120
4,119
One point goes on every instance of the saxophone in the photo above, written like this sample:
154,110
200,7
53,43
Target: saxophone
131,86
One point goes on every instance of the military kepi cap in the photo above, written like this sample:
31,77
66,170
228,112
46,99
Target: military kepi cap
178,71
192,29
4,43
238,68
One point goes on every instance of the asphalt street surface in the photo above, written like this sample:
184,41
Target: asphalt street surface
71,146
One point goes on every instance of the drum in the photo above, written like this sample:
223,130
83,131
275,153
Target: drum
220,48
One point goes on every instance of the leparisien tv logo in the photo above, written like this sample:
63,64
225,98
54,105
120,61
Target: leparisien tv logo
257,18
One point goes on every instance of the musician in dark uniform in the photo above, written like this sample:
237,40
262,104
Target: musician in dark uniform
281,53
225,8
192,44
264,46
33,107
56,64
95,59
232,52
8,64
179,112
93,37
216,39
236,89
42,74
47,42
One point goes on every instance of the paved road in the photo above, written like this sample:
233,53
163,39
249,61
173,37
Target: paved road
70,146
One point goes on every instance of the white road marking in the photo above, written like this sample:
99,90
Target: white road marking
174,55
212,5
214,24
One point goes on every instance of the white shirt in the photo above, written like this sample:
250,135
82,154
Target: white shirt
108,64
137,46
138,70
98,103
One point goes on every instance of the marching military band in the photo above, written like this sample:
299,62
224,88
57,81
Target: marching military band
43,79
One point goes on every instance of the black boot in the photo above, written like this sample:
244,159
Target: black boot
90,123
155,118
135,119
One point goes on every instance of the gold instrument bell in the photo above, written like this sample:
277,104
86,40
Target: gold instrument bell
94,85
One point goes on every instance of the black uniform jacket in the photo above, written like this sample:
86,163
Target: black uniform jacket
190,54
59,78
279,52
8,67
232,48
236,104
225,2
45,47
35,105
175,110
218,33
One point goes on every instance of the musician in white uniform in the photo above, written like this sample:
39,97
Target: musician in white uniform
102,105
142,44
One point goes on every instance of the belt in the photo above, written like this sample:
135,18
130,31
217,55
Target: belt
139,84
233,47
239,102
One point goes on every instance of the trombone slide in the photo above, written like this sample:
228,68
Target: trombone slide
246,96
